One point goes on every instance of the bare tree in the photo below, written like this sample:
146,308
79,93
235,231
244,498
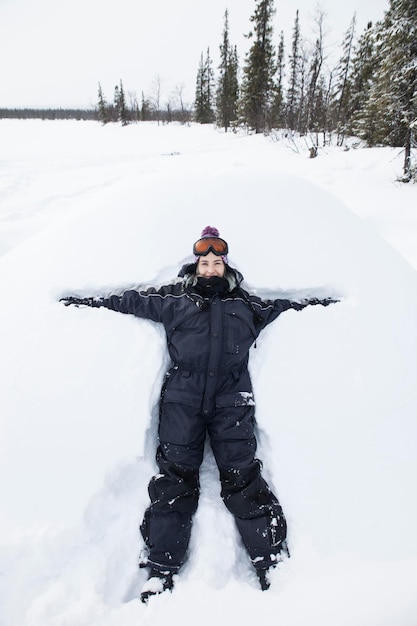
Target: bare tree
315,69
179,99
156,96
134,106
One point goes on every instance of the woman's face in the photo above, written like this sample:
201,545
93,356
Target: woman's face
210,265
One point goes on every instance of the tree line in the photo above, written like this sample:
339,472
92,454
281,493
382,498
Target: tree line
370,92
125,107
49,114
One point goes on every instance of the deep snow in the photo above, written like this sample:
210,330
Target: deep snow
86,208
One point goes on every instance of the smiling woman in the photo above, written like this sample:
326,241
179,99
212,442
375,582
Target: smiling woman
210,265
211,253
210,323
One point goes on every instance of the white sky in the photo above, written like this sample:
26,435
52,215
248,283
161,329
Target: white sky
54,53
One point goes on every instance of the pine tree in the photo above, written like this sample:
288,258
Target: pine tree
234,74
102,107
114,109
204,93
277,111
227,88
303,81
364,66
258,88
199,92
341,96
121,108
392,100
294,88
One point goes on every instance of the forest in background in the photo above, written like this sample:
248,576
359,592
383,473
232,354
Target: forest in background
370,92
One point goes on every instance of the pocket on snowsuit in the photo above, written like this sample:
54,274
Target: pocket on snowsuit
231,430
182,430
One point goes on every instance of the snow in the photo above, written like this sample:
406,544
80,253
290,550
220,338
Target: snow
86,209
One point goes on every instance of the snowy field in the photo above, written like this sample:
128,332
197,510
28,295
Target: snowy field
84,209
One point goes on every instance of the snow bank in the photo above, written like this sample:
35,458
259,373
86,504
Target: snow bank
335,387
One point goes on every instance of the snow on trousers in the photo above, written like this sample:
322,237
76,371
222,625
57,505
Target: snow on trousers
208,390
174,492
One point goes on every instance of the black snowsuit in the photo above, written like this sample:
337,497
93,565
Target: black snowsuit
210,326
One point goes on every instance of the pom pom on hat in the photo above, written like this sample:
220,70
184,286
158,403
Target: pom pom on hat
210,231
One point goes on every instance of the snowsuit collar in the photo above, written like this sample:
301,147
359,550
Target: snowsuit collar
209,287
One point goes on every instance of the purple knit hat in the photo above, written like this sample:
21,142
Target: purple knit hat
210,232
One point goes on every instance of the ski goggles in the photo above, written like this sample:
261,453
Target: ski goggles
210,244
